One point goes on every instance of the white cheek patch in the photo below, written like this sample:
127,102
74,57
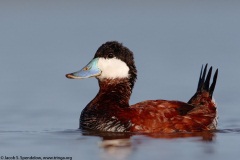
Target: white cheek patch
112,68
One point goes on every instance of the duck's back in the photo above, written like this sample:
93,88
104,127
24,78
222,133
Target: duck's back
172,116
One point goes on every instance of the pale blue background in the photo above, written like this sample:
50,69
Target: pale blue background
41,41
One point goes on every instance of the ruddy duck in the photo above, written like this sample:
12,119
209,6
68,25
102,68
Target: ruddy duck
113,66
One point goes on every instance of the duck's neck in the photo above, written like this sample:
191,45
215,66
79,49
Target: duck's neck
114,91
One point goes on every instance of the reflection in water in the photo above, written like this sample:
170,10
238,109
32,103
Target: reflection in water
206,136
121,145
115,145
116,149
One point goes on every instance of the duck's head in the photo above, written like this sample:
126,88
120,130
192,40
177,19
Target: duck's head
111,61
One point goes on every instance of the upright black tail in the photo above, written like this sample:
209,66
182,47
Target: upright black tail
204,82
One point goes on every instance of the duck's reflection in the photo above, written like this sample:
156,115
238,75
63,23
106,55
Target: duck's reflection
206,136
121,145
202,136
115,145
118,149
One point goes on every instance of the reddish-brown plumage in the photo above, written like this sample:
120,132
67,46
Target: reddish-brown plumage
164,116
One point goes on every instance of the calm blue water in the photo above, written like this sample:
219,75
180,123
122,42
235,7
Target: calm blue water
41,41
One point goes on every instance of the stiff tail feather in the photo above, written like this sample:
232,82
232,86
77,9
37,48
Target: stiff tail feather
204,82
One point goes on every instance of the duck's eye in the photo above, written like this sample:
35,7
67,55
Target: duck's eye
110,55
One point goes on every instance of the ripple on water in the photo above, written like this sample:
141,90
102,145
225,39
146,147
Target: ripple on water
233,130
